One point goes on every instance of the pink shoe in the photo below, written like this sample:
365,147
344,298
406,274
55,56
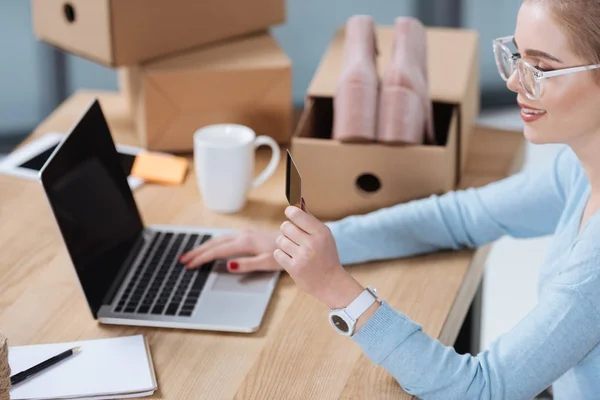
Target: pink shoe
355,100
405,110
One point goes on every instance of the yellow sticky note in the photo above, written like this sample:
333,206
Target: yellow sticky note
160,168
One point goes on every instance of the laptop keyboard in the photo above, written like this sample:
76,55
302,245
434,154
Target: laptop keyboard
161,285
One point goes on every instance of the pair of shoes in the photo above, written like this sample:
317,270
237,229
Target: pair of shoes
396,110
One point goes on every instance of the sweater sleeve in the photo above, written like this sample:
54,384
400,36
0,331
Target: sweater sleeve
527,204
550,340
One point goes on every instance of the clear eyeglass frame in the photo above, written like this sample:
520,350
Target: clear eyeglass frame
530,77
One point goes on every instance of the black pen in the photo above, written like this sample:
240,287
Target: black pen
21,376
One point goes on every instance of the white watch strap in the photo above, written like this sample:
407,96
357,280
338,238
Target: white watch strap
360,304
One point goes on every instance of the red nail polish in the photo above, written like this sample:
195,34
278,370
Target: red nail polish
233,266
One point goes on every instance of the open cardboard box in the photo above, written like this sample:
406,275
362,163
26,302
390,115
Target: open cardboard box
128,32
340,179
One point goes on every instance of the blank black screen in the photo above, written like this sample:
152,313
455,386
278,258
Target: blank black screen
92,203
37,162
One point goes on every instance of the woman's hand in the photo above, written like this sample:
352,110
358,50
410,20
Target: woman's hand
254,250
306,249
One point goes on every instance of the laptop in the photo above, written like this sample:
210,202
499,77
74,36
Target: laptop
129,272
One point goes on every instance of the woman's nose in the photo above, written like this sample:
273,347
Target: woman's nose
512,83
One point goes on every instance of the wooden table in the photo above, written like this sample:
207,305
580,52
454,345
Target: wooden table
296,354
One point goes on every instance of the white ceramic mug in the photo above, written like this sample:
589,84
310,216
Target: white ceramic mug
224,163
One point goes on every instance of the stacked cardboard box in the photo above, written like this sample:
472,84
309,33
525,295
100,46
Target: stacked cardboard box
246,81
183,63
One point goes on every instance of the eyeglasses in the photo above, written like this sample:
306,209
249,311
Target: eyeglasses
529,76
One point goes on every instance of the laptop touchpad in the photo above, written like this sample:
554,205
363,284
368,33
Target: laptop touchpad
253,282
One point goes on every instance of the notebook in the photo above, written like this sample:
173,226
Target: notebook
103,369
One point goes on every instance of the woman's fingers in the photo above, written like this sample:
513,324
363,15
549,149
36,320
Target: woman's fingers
294,233
283,259
216,241
288,247
302,219
261,262
227,249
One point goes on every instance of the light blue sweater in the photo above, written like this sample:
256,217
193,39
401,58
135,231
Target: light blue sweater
556,343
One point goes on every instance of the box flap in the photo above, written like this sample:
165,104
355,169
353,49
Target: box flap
450,59
256,51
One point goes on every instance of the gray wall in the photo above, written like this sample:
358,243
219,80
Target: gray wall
311,24
82,73
34,77
492,19
304,43
19,78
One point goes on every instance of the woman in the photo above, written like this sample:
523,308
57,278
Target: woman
557,342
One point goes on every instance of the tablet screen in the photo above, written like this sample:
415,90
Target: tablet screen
36,163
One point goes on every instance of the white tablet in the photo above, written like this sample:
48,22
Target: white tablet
26,161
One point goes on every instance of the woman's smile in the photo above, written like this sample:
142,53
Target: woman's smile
530,114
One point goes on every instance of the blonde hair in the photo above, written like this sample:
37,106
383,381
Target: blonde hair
580,21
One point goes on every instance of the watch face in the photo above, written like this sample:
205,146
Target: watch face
339,323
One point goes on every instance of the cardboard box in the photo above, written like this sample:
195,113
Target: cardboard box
246,81
127,32
508,156
496,153
341,179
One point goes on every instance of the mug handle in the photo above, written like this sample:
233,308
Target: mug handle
275,156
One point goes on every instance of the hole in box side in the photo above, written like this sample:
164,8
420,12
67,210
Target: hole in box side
368,183
321,124
69,12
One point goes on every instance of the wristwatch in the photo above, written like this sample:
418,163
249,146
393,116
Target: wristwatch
344,319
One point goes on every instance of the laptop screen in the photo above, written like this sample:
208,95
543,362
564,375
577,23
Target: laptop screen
92,203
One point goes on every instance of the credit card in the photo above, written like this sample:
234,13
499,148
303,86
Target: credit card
293,183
